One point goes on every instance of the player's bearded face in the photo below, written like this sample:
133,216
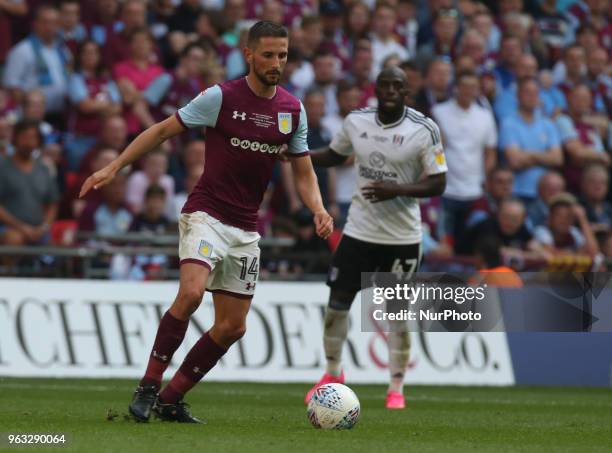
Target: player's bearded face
268,60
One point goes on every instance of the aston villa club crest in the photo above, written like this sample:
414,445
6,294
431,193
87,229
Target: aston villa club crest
284,123
205,249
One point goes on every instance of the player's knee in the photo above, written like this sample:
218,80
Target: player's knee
232,331
189,298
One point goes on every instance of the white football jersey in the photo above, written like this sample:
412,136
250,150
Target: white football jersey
401,152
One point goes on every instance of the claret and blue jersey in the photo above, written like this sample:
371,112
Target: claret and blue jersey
244,136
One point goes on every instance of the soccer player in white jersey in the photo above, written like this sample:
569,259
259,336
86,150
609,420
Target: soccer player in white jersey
399,158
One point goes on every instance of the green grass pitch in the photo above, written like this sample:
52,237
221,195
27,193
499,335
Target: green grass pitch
245,417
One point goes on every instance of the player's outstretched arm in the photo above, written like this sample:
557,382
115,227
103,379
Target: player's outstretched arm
308,189
326,157
145,142
431,186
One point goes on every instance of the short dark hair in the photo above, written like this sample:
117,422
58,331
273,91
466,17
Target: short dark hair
155,190
464,74
265,29
345,85
25,125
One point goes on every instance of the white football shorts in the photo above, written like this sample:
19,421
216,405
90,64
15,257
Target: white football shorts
231,254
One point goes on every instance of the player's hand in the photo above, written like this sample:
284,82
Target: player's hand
283,153
380,191
98,179
324,224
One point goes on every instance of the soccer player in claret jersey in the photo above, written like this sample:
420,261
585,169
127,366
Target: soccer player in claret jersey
399,158
248,121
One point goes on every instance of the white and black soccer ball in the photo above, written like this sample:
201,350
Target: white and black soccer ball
333,406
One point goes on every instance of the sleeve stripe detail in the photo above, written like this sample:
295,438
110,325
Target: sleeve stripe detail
435,136
180,120
302,154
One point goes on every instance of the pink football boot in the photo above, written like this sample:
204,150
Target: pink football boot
395,400
326,379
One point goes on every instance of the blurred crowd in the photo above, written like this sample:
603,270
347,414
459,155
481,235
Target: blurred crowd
521,90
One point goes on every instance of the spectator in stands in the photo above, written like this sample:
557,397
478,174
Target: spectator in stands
8,10
555,27
356,24
552,101
559,235
142,84
384,42
595,186
100,20
326,72
234,13
315,252
445,28
581,141
483,22
331,24
117,47
33,110
509,60
473,45
346,175
498,187
40,62
550,185
72,206
599,82
361,68
187,79
113,134
6,137
185,16
154,169
28,193
509,225
94,96
312,36
437,85
190,181
152,219
407,25
189,156
414,82
71,31
110,216
574,58
530,142
470,143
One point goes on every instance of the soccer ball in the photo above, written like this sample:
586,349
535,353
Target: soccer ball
333,406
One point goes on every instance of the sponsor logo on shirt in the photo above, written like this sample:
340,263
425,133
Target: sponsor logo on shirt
376,175
284,122
377,159
254,145
241,115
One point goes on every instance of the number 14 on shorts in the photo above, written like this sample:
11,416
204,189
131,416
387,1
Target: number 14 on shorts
250,269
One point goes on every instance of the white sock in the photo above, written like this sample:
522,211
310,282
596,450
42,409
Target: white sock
399,354
334,336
